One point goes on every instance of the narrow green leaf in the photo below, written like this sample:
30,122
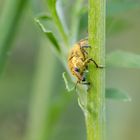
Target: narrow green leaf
117,7
48,33
123,60
117,94
52,6
75,21
43,16
56,18
68,83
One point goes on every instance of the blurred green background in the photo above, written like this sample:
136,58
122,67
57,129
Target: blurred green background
34,104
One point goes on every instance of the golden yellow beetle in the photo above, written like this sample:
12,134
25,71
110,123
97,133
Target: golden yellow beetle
78,61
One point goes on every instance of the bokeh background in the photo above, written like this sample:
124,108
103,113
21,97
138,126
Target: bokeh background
34,104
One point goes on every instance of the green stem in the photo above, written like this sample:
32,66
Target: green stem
75,20
96,93
8,24
53,10
60,27
42,89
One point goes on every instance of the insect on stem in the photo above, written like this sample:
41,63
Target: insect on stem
78,61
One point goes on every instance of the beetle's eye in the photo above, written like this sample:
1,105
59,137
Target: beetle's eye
77,69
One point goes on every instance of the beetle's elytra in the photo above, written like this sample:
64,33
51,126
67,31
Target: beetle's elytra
78,61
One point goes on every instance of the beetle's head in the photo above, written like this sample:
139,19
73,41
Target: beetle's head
81,77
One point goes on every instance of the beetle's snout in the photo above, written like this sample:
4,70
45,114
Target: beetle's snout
83,78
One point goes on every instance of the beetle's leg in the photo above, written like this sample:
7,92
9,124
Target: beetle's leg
84,51
97,66
81,82
91,59
85,46
85,83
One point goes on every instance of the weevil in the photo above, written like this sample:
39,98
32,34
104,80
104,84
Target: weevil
78,61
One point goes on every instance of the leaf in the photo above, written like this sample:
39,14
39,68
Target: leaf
117,94
48,33
116,25
52,6
117,7
43,16
75,20
56,18
68,83
123,60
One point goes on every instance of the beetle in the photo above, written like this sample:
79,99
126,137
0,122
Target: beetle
78,61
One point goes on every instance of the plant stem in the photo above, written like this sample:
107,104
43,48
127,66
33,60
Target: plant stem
11,14
75,20
95,115
42,89
53,10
